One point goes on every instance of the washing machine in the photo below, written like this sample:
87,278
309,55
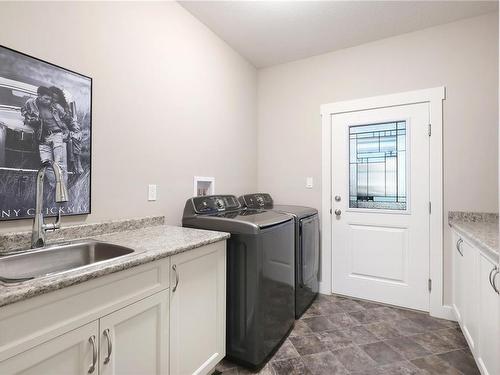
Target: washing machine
260,303
307,246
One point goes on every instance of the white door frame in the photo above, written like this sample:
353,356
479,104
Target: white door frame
435,97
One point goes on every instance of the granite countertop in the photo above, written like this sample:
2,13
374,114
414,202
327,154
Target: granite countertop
150,244
481,229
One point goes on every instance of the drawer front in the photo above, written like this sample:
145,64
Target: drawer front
36,320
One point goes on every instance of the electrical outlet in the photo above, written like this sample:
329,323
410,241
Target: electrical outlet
151,192
309,182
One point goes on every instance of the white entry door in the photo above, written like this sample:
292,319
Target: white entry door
380,199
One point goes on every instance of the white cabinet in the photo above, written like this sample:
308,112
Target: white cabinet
145,320
28,323
458,278
489,316
476,303
134,339
470,307
465,288
197,310
69,354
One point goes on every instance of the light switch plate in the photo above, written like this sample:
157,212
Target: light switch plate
309,182
151,192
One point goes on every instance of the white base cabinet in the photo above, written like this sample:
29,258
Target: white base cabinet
133,322
476,303
458,277
197,311
489,321
470,307
133,340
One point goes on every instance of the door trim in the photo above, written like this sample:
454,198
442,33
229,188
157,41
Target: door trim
435,97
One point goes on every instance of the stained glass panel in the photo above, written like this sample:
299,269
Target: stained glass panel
377,166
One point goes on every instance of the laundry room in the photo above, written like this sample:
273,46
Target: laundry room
249,187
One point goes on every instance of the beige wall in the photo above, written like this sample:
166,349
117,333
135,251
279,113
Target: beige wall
463,56
170,100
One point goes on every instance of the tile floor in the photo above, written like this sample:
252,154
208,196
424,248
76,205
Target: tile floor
344,336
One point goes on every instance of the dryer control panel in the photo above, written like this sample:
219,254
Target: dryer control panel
257,200
215,203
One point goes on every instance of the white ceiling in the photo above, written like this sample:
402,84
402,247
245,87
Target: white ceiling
273,32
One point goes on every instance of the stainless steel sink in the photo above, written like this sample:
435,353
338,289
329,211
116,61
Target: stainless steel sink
57,259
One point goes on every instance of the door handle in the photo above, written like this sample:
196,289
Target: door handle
110,345
338,212
94,354
459,242
493,278
491,274
174,267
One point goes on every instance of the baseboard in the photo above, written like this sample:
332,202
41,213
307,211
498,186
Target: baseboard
443,312
324,288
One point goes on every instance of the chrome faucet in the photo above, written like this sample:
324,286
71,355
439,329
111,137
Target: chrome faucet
61,195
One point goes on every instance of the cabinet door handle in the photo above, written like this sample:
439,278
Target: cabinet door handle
459,242
491,274
110,345
94,354
493,278
174,267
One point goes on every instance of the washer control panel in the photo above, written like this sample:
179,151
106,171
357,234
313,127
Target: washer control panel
215,203
258,200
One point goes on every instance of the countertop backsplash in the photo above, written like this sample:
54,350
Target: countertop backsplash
22,240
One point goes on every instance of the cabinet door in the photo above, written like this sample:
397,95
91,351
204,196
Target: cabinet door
134,340
489,316
197,310
458,278
69,354
470,273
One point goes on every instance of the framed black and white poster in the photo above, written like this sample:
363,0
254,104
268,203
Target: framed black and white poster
45,115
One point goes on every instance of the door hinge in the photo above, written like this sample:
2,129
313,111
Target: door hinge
429,285
430,207
430,130
330,211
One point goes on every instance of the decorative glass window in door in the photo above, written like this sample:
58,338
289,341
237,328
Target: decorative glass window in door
377,166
